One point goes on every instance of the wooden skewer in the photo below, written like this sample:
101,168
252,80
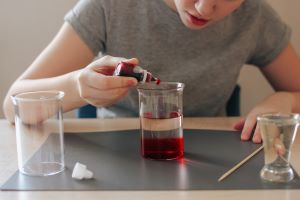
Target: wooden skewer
240,164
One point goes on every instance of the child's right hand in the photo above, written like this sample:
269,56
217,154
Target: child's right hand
97,86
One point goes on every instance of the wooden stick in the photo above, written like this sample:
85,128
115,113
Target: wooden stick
240,164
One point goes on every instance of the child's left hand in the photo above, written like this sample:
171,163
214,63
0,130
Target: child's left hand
279,102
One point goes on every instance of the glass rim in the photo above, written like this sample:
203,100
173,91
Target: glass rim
271,117
158,87
55,95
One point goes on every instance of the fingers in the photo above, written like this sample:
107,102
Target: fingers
102,82
97,86
279,146
257,136
105,70
109,61
134,61
103,97
248,128
98,74
240,124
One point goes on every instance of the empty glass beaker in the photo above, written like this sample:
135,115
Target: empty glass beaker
278,134
39,132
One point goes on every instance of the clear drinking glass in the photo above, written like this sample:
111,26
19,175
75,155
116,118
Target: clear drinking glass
39,132
278,133
161,120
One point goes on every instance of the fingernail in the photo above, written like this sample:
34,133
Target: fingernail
255,139
131,82
244,137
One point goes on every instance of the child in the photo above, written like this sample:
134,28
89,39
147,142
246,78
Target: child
202,43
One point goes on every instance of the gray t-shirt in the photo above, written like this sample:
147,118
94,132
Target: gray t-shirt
208,61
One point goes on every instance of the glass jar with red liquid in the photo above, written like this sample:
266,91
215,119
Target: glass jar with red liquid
160,108
131,70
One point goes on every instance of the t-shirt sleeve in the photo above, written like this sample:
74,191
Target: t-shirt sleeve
273,36
88,19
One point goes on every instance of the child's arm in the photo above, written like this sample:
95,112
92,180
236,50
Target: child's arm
61,66
284,75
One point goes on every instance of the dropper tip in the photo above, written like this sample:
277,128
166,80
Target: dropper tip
156,80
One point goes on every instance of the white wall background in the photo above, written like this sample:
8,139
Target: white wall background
254,86
26,27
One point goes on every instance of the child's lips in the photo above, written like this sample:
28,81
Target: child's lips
198,21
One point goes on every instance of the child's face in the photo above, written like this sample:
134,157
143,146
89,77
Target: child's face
196,14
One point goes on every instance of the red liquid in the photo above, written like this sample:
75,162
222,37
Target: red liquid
162,148
162,136
157,81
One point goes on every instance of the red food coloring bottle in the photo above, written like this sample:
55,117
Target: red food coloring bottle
131,70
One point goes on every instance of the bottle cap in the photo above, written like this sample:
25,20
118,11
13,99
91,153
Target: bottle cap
81,172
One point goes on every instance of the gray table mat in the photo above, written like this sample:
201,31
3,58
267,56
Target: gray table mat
115,159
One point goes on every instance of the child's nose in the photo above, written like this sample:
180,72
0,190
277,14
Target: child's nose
205,7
